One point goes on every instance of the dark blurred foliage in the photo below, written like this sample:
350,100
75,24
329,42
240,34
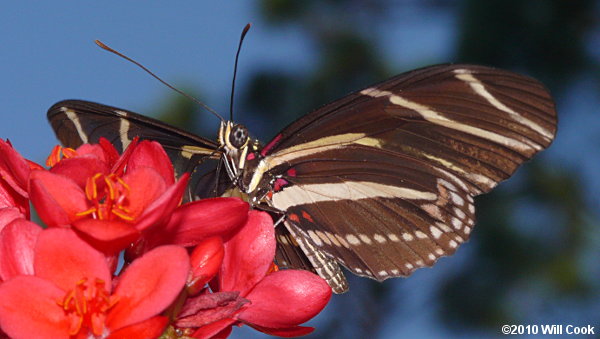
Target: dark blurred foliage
346,62
531,257
546,38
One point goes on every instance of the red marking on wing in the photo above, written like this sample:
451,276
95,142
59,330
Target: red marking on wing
307,216
291,172
294,217
251,156
270,145
279,184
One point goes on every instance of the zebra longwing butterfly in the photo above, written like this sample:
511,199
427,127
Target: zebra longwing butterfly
380,181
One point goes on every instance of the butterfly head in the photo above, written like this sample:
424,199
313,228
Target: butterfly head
233,136
238,137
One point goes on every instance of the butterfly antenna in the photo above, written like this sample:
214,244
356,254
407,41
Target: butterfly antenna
237,55
107,48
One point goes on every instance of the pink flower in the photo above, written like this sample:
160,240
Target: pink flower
71,292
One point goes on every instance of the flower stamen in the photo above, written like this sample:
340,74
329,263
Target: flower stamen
109,195
59,153
86,306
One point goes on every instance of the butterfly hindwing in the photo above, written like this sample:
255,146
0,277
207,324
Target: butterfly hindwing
383,180
380,216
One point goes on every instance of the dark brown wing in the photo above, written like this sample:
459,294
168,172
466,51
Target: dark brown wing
382,181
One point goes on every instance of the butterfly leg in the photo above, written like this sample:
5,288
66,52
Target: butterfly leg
277,214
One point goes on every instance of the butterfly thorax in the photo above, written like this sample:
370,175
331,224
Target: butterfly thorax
241,152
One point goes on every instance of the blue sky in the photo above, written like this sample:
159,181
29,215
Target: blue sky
48,55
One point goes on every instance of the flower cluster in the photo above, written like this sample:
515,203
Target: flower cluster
122,257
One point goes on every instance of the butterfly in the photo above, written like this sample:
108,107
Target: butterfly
380,181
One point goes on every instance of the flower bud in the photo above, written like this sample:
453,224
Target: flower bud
206,259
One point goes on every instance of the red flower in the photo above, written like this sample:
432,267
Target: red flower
279,301
71,294
111,209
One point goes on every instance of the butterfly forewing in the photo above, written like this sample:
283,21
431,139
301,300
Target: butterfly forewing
76,122
383,180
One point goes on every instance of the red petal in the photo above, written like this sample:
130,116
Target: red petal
149,285
146,185
33,165
80,168
206,259
11,198
103,150
249,254
119,166
63,258
14,169
57,199
285,299
164,206
150,328
8,214
296,331
17,243
151,154
216,330
111,155
91,150
201,219
29,309
108,236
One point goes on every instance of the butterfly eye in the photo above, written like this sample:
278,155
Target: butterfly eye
238,136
